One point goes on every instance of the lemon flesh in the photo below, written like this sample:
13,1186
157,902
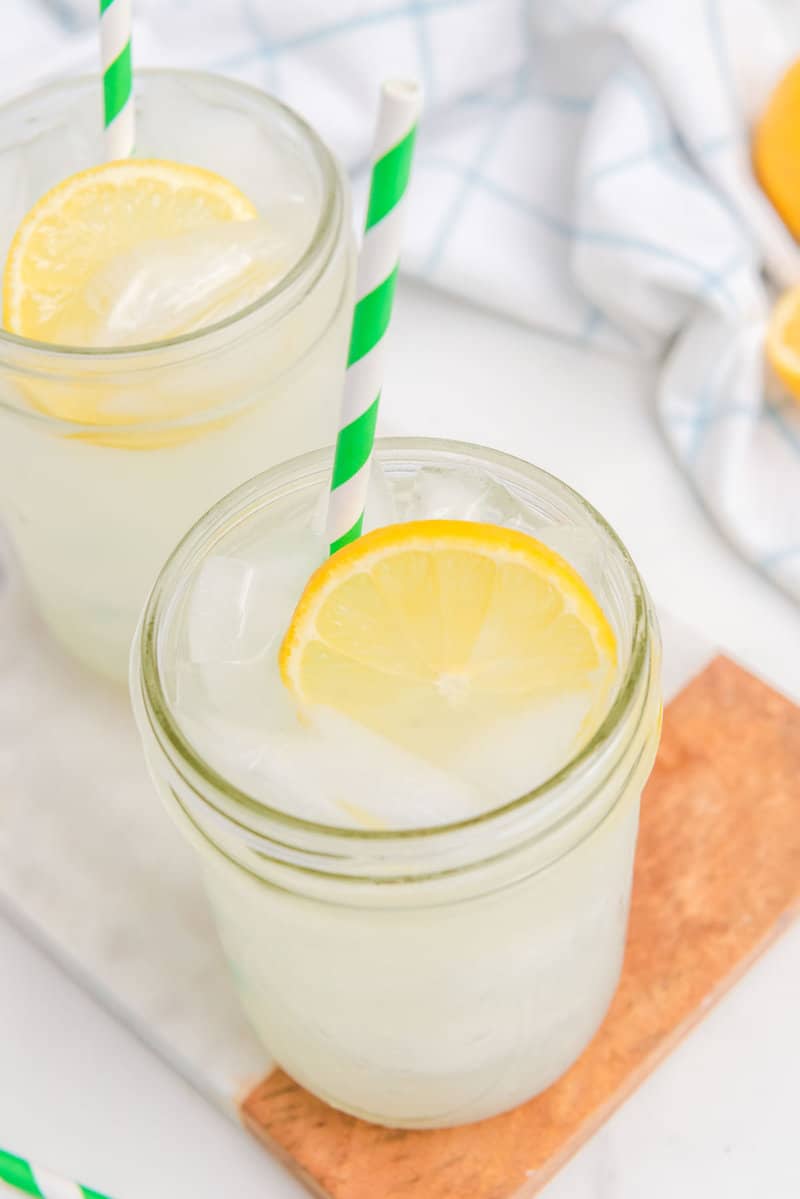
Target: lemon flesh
95,217
783,340
429,632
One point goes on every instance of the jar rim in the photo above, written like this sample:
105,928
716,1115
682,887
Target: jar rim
329,219
248,499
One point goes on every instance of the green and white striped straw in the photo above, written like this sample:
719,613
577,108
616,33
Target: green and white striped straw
375,283
115,51
33,1180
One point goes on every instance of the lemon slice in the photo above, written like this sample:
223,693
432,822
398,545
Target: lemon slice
783,340
428,631
90,218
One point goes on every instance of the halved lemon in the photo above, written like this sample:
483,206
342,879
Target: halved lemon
93,217
776,148
783,340
428,631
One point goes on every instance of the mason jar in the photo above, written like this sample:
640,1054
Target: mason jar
432,976
108,456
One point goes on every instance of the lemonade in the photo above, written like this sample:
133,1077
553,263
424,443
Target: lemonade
173,325
421,870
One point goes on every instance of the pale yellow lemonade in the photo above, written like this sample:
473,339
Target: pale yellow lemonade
172,324
411,772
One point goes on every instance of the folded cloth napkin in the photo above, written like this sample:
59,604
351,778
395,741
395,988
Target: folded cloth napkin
583,165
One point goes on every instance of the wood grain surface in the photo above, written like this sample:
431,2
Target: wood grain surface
717,877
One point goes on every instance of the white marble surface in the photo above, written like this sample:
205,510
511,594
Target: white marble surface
91,866
80,1094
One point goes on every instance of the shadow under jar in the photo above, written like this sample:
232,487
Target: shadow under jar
95,505
423,977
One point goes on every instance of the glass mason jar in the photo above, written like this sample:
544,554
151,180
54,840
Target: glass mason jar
95,505
429,977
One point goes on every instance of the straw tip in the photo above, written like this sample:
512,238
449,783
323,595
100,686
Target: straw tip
407,91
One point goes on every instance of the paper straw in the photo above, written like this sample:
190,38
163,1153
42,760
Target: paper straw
115,50
33,1180
375,283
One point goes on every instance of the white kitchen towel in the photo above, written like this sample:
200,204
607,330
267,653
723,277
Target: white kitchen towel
583,165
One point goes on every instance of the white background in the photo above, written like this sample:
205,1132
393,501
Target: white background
78,1093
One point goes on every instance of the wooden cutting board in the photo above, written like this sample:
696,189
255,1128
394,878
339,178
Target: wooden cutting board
717,877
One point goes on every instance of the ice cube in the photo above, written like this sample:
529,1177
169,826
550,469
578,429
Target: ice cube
284,562
283,767
269,766
318,766
240,609
518,752
374,783
217,608
437,493
167,287
246,695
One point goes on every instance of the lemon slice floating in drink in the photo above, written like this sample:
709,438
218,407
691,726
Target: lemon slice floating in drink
428,631
114,244
94,217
